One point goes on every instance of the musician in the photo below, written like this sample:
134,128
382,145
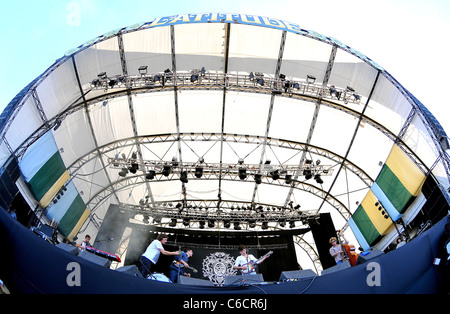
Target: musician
82,245
151,255
336,250
179,265
245,261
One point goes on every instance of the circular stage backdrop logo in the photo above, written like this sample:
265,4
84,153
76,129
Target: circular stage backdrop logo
217,266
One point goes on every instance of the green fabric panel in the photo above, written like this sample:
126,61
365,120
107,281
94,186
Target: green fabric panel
394,189
44,179
365,225
72,216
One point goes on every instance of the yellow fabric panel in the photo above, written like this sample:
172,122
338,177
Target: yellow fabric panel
379,222
77,227
405,170
47,198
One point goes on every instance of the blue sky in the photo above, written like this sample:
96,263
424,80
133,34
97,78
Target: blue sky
408,38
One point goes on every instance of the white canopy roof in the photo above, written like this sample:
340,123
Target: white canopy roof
223,118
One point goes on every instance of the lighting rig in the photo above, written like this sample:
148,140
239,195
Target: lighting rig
186,170
202,78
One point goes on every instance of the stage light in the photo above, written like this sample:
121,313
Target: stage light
203,72
252,76
258,178
227,224
198,172
318,179
242,173
310,79
275,175
252,223
292,224
183,177
143,70
307,173
166,170
288,179
194,78
186,222
211,223
236,225
334,92
202,224
265,225
123,172
173,222
150,175
102,75
260,81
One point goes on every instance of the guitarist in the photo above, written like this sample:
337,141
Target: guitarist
180,264
246,262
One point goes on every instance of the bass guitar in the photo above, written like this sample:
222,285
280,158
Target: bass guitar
252,264
180,265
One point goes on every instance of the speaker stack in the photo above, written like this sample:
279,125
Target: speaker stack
239,280
363,257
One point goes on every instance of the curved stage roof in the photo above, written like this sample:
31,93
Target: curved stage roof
244,120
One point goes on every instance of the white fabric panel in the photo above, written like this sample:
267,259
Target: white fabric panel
150,47
90,179
251,153
209,150
421,142
268,194
74,137
349,70
199,45
166,190
101,57
18,131
304,56
37,155
4,153
369,148
291,119
334,130
58,210
388,106
155,113
240,191
202,189
253,49
246,113
59,90
200,112
111,120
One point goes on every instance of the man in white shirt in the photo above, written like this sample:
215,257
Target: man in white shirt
246,263
151,255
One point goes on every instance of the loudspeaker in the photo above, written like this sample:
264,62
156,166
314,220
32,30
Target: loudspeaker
243,279
297,274
362,258
68,248
337,267
131,270
194,281
95,258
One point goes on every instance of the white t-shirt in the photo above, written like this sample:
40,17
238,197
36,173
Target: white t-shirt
241,260
153,250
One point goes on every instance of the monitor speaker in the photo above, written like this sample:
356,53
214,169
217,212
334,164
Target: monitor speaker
363,257
243,279
335,268
297,275
95,258
131,270
68,248
184,280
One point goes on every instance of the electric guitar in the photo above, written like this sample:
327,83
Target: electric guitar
252,264
180,265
